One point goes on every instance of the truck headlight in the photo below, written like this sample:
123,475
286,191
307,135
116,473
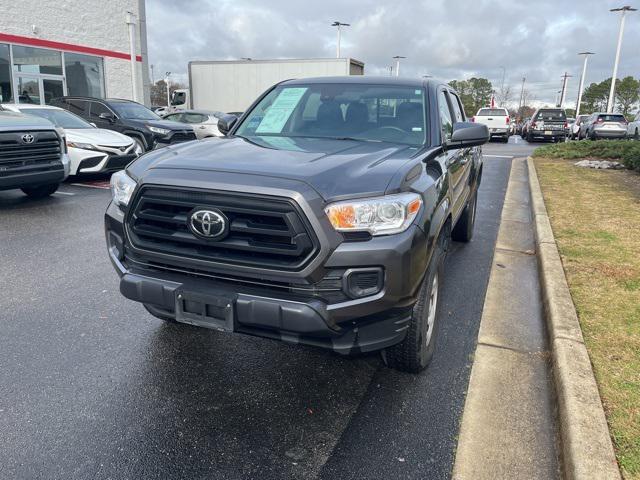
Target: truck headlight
122,187
158,130
378,216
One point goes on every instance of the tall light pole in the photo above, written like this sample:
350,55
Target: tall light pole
398,57
166,80
520,105
339,25
564,88
582,77
504,73
611,101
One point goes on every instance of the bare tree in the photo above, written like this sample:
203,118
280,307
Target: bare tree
504,95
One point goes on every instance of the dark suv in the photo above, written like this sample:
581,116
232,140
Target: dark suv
146,128
322,218
548,124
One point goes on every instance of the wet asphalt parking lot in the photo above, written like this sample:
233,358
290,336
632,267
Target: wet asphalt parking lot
92,386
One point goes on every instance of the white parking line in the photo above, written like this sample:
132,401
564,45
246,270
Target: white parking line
497,156
64,193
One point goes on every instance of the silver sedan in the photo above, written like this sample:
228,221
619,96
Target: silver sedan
204,122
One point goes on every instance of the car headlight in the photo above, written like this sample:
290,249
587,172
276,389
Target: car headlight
378,216
158,130
122,187
84,146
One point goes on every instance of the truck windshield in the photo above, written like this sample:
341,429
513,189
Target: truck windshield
134,111
363,112
60,118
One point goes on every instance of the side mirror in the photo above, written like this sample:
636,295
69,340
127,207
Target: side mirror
226,123
468,134
107,116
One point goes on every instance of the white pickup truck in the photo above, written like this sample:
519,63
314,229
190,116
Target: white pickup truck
497,121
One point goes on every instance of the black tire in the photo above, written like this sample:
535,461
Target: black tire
529,138
463,231
592,136
505,140
415,352
40,191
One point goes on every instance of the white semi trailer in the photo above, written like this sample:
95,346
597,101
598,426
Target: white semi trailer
232,86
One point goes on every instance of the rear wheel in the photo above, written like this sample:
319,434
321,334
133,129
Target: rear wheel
463,231
41,191
415,352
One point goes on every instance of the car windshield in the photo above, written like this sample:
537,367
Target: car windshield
60,118
551,115
133,111
494,112
355,111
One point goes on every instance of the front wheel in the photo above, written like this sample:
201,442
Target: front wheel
415,352
463,231
41,191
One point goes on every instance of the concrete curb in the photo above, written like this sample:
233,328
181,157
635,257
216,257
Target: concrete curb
587,451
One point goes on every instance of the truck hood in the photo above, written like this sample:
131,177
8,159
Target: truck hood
334,168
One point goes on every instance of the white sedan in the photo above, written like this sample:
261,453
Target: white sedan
91,149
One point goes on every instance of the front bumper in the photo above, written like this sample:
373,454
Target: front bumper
274,310
95,161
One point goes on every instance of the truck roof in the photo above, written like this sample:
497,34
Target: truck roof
12,120
366,80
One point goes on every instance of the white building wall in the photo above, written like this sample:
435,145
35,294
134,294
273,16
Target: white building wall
89,23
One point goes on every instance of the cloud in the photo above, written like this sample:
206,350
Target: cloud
450,39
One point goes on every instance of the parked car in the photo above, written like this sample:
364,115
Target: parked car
146,128
497,121
633,128
32,155
524,127
91,149
322,218
606,125
204,122
569,127
574,132
547,124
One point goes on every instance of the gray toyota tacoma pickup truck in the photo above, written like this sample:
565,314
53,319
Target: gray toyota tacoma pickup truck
32,154
323,217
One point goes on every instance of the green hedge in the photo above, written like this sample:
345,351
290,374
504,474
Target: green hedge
624,151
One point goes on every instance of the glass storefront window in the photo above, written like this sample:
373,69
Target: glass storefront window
36,60
85,75
5,74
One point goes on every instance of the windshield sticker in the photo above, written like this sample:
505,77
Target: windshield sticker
418,92
280,110
282,143
416,129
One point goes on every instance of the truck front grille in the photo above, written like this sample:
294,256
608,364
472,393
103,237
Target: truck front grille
264,231
42,154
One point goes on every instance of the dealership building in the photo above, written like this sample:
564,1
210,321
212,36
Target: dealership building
96,48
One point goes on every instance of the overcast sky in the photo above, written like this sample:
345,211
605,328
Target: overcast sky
450,39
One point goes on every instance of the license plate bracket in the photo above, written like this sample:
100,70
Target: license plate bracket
548,132
214,311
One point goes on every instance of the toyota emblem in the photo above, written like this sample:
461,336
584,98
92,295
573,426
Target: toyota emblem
28,138
208,224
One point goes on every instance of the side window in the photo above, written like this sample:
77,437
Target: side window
77,106
458,111
445,115
96,110
192,118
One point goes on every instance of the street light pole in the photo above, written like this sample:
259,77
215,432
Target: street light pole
612,92
166,81
564,88
398,57
504,72
339,25
582,77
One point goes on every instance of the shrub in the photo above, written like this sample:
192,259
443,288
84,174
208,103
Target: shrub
626,152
